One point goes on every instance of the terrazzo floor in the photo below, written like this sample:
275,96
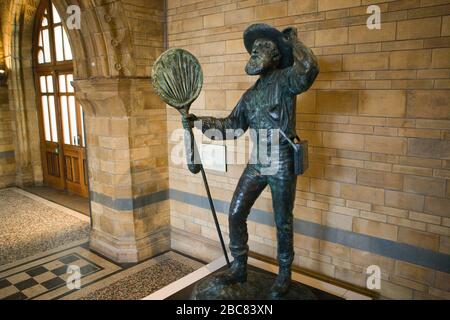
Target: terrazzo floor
29,226
141,280
41,241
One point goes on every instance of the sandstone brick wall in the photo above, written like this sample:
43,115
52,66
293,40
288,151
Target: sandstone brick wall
127,156
22,116
7,161
146,23
127,138
377,120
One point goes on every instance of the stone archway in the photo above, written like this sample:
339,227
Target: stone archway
90,60
127,161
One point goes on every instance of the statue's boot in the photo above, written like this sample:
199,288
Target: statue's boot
237,273
282,283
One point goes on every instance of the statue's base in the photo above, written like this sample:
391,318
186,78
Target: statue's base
257,287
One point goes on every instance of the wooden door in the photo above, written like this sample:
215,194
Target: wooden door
60,116
50,134
62,138
74,144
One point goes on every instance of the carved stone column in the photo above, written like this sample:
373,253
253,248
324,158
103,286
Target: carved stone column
128,171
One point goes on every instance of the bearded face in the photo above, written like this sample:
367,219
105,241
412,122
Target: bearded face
264,57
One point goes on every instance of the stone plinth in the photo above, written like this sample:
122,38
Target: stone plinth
257,287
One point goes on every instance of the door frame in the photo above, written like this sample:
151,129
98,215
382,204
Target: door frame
54,68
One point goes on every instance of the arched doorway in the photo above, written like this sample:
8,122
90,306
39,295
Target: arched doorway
62,134
128,221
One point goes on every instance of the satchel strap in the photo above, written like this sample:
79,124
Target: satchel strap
289,140
284,134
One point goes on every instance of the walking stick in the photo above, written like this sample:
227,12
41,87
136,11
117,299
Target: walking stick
178,78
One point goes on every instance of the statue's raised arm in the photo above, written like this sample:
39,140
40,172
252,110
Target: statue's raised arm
303,72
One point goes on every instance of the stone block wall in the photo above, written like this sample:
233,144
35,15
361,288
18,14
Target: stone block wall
126,133
378,124
17,60
128,171
147,25
7,159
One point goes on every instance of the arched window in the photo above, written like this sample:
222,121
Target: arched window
53,43
61,117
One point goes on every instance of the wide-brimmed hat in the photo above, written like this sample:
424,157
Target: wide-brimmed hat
262,30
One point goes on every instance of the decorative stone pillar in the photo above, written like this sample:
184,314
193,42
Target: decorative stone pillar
128,170
17,31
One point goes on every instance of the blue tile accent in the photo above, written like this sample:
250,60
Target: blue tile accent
387,248
129,204
7,154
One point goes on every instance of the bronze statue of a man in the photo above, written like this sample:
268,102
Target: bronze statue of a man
286,68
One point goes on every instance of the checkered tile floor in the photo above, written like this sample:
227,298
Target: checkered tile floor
46,276
41,279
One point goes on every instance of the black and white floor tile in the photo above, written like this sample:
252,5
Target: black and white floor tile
46,277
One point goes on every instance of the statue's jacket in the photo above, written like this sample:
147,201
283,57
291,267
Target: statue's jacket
269,104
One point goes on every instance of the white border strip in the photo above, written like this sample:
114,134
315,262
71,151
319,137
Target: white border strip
54,205
201,273
186,281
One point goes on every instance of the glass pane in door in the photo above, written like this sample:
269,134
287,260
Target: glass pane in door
62,83
46,42
65,120
67,49
59,44
56,17
42,81
45,116
73,121
50,84
53,123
